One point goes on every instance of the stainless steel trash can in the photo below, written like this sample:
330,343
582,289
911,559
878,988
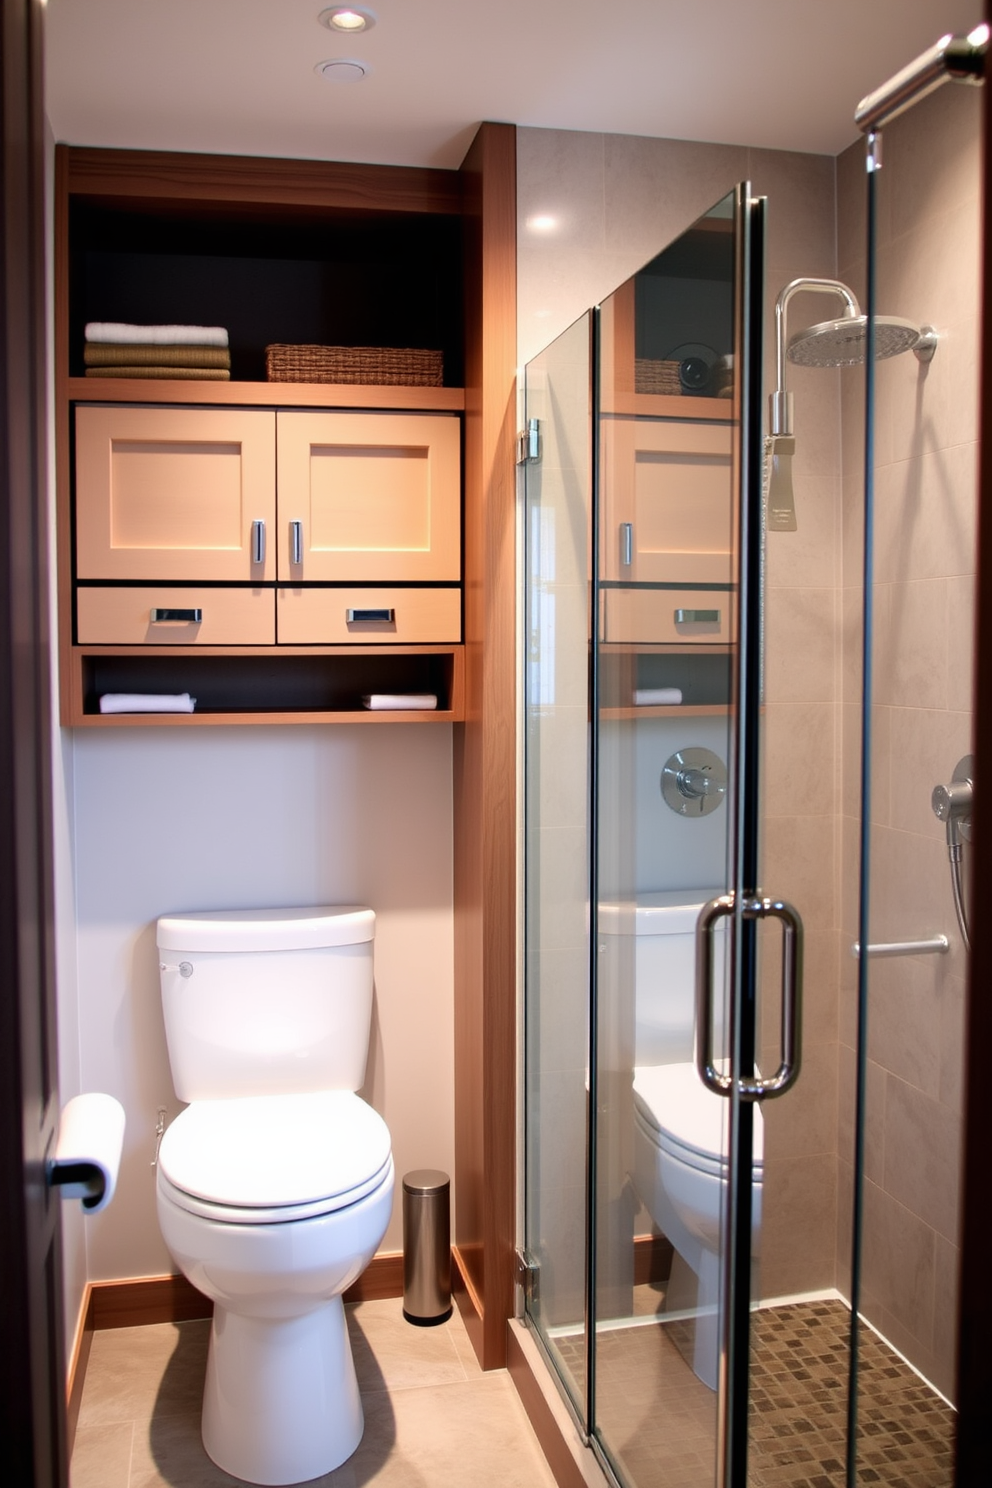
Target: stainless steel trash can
426,1247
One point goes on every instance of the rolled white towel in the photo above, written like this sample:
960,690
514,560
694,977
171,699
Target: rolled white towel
389,702
647,697
147,702
122,334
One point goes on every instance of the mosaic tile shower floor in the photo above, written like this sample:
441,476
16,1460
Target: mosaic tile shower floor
660,1420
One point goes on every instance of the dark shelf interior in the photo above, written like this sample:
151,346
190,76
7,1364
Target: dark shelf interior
334,278
704,679
269,684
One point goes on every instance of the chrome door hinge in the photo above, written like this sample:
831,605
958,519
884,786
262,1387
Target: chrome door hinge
529,442
527,1275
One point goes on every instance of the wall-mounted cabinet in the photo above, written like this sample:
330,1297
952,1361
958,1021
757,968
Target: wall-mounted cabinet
220,517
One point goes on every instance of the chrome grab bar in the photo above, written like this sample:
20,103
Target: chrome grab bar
935,947
759,907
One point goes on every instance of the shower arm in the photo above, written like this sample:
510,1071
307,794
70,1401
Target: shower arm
781,401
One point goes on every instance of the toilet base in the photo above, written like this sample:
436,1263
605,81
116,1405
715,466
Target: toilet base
281,1402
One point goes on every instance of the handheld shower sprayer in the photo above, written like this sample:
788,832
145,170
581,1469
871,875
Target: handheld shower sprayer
952,804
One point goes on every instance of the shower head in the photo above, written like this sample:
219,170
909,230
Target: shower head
841,343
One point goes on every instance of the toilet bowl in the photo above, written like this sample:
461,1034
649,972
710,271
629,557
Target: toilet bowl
680,1127
274,1187
680,1173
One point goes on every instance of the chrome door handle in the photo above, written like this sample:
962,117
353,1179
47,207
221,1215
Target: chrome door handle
626,543
296,543
258,542
792,979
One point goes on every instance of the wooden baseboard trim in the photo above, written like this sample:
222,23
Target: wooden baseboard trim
173,1299
572,1463
468,1302
652,1259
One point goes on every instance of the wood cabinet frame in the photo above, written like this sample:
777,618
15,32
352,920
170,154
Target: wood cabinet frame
483,191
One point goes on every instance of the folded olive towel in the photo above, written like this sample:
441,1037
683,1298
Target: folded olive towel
190,374
111,354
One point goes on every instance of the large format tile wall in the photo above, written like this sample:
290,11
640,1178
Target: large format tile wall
929,216
592,209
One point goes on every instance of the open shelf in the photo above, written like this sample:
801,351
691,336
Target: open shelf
703,674
266,394
291,685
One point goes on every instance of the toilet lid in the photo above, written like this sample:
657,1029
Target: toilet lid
681,1115
323,1149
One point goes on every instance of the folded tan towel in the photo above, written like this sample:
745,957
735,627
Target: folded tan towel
189,374
110,354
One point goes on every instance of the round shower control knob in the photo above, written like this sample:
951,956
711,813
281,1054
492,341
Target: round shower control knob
694,781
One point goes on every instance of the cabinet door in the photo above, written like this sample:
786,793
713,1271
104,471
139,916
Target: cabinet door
369,497
669,514
174,493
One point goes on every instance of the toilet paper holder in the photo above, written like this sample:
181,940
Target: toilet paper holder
88,1150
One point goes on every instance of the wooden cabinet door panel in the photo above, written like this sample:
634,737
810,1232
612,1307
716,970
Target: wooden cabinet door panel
377,496
123,617
172,493
704,617
669,501
309,617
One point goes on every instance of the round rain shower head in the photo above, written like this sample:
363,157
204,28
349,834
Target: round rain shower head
841,343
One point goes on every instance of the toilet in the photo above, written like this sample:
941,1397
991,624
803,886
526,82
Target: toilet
680,1127
275,1184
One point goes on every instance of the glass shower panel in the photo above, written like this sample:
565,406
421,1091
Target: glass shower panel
924,247
668,425
557,519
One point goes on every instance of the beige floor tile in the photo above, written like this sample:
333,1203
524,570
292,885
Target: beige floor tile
101,1456
446,1437
133,1371
392,1354
168,1453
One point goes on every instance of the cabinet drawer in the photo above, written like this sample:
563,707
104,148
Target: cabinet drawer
312,617
174,493
369,497
123,617
707,617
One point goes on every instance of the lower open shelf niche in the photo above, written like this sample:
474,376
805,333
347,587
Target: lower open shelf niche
271,688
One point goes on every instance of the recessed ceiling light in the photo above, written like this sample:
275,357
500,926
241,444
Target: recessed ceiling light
343,70
350,18
542,223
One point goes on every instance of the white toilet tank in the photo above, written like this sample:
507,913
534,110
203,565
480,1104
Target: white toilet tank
266,1001
663,928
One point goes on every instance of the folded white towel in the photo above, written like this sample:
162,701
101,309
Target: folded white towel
388,702
147,702
122,334
647,697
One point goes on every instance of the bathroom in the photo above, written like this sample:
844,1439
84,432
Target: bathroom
366,816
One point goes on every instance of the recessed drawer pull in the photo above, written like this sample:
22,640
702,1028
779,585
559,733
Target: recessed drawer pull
176,617
296,543
697,617
353,616
258,542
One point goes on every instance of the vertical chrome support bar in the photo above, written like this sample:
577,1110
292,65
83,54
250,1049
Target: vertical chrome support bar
296,543
792,982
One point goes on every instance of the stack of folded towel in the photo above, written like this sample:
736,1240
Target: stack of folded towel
115,349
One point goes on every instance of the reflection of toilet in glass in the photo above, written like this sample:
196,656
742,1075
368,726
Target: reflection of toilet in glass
680,1127
275,1185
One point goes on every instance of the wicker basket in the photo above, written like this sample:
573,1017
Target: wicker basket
373,365
652,376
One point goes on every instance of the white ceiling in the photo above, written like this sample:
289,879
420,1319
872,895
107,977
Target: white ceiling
237,76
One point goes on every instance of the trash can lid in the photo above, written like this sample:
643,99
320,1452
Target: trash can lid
425,1181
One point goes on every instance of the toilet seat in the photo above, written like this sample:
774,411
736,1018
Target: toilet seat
679,1115
274,1159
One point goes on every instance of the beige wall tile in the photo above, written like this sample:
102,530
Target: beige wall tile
927,746
960,654
800,651
799,1204
811,554
933,158
656,188
801,219
898,1259
945,1317
799,864
922,1156
800,753
925,515
953,1040
876,1082
904,1021
803,1122
911,644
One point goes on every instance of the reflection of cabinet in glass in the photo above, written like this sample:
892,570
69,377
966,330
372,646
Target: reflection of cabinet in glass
201,494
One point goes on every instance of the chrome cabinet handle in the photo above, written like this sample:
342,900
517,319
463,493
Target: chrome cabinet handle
175,617
258,542
626,543
296,543
792,980
697,617
360,617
